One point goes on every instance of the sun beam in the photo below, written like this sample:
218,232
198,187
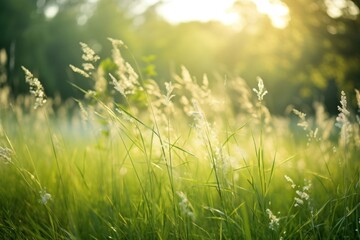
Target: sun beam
277,11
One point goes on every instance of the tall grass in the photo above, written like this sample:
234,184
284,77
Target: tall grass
139,159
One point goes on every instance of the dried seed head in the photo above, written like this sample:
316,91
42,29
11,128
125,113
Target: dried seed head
88,53
260,92
5,154
36,88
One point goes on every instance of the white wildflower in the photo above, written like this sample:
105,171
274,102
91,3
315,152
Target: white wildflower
36,88
185,206
308,186
274,221
293,185
298,202
260,92
302,195
45,197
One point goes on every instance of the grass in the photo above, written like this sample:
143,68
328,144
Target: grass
140,160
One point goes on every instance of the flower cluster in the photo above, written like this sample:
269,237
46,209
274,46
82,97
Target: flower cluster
301,195
274,221
293,185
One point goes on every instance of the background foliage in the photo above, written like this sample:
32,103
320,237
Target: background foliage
315,56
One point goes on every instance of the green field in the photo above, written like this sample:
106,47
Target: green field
183,159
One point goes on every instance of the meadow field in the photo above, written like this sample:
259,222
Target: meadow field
184,159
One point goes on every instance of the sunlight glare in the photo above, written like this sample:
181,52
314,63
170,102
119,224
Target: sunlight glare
51,11
335,8
277,11
177,11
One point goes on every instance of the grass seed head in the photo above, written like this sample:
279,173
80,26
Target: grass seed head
358,99
88,53
79,71
342,121
36,88
5,154
260,92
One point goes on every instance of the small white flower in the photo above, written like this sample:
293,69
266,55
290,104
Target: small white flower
45,197
302,195
293,185
185,206
274,221
298,202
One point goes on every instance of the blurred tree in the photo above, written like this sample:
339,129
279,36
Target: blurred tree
15,18
37,35
314,50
